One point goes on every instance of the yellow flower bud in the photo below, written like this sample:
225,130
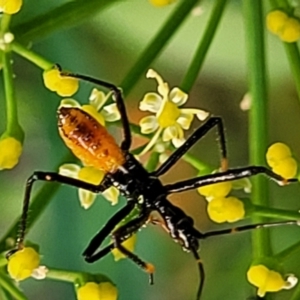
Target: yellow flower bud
287,168
223,209
10,6
217,190
161,2
10,152
129,244
276,21
22,263
95,291
62,85
265,280
290,33
276,152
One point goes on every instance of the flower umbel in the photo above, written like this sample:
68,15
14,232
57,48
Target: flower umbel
22,264
279,158
90,175
64,86
169,120
97,291
267,280
10,7
10,152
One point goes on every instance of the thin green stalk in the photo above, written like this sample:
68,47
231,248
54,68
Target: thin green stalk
292,250
152,161
276,213
258,114
67,276
65,16
31,56
12,124
296,294
10,287
202,167
157,44
5,21
209,33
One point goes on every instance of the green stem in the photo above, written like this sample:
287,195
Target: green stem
296,294
8,284
13,127
258,114
283,255
67,276
209,33
31,56
276,213
5,21
197,164
157,44
152,161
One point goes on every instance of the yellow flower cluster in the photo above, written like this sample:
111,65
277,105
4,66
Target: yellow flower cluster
267,280
62,85
221,208
22,263
10,7
97,291
161,2
10,152
280,24
279,158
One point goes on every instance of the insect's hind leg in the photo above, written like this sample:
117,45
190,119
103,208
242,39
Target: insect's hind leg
197,135
119,101
49,177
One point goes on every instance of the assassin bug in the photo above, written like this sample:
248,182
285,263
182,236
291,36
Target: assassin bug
94,146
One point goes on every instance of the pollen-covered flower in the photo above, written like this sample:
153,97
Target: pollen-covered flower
287,28
90,175
97,291
161,2
169,120
96,107
22,263
279,158
10,7
64,86
226,209
267,280
10,152
129,244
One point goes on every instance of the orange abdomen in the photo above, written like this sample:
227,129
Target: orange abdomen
89,140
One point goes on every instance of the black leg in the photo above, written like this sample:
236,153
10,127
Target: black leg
197,135
201,272
229,175
97,240
53,177
119,101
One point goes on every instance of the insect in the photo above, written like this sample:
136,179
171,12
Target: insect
94,146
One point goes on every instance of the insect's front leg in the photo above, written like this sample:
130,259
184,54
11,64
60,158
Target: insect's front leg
49,177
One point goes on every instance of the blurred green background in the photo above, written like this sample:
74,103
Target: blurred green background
106,46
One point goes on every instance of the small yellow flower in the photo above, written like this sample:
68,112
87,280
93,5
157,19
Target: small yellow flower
269,280
10,152
169,120
129,244
90,175
279,23
10,6
279,158
97,291
62,85
217,190
161,2
229,209
22,263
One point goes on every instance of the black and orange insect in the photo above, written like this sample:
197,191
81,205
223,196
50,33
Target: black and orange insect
93,145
